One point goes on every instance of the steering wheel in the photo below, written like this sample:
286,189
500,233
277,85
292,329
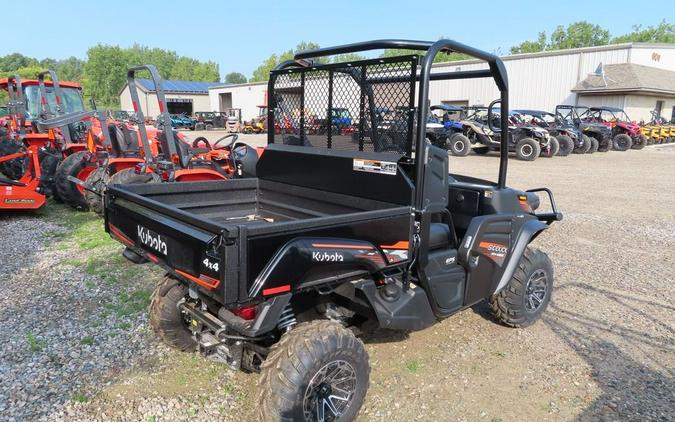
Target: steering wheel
196,142
234,137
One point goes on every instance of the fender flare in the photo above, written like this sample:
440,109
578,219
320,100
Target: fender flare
530,230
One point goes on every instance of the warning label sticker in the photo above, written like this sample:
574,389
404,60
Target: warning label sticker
375,166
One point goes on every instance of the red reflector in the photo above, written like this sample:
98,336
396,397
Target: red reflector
274,290
161,106
135,106
247,312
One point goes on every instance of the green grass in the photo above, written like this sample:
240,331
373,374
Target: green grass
87,341
412,366
123,325
152,418
131,303
79,397
34,344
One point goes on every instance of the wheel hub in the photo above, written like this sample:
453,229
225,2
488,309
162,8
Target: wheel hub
535,290
330,391
526,150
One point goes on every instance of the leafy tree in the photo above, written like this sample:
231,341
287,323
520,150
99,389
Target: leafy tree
262,72
664,32
14,61
578,34
531,46
235,78
105,73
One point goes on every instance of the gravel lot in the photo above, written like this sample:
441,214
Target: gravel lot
77,346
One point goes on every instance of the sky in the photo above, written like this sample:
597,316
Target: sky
239,35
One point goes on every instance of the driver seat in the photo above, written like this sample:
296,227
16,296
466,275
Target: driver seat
124,143
183,151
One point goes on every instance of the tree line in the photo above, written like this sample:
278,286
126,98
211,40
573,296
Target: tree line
103,72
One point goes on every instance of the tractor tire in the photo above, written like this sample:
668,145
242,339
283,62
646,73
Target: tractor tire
553,148
297,380
525,298
166,320
528,149
566,145
622,142
71,194
639,142
130,177
50,159
16,168
95,200
594,145
481,150
459,145
585,147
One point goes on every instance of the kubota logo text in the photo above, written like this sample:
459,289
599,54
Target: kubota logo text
327,257
152,240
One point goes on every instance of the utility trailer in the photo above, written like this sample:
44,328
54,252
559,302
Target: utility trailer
337,234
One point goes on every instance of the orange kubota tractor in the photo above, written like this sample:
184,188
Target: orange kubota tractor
142,155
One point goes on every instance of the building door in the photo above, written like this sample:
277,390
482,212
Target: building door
225,101
179,106
659,107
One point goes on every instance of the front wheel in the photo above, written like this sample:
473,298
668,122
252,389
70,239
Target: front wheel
594,145
552,149
459,145
95,199
525,298
78,166
528,149
318,371
639,142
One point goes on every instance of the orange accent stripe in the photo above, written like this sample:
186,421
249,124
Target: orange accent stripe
153,258
329,245
118,233
274,290
203,280
401,244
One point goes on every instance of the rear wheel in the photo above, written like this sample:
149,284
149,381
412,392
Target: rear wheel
459,145
528,149
318,371
95,199
584,147
166,320
130,177
76,165
622,142
566,145
522,301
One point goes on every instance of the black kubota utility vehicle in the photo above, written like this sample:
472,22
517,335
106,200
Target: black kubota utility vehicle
277,273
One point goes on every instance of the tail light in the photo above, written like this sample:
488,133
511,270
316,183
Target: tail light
246,312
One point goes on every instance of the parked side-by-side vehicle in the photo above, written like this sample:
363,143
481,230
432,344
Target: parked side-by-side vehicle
278,273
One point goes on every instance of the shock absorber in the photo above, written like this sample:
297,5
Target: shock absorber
287,319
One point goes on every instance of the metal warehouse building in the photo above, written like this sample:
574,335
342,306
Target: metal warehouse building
181,97
638,77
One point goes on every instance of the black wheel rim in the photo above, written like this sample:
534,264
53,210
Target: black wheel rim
535,291
330,392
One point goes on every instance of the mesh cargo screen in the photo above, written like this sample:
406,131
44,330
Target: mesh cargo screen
359,106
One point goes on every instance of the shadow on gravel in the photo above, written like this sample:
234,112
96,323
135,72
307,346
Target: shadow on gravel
632,368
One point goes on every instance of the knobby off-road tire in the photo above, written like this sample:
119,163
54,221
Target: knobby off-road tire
16,168
459,145
639,142
585,146
481,150
553,148
68,191
525,298
130,177
528,149
622,142
166,319
594,144
291,385
95,200
566,145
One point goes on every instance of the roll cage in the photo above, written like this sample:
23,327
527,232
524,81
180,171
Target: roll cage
421,73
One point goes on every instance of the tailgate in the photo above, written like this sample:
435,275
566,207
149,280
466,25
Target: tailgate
168,240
